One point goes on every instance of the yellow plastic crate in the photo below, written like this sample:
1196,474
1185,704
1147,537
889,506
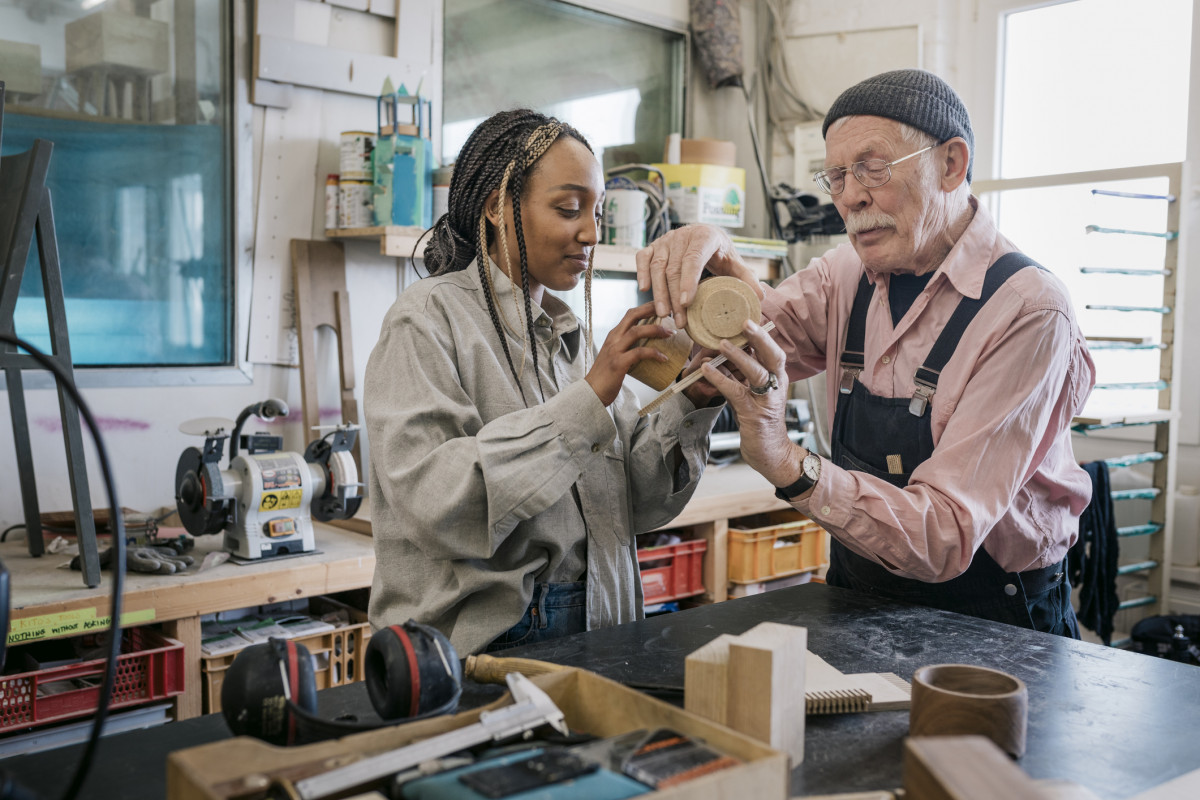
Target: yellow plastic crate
774,545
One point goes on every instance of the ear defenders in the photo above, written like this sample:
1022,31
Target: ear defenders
269,692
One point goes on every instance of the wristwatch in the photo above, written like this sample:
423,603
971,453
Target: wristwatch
810,473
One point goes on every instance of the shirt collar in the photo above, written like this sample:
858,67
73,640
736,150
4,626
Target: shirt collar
552,314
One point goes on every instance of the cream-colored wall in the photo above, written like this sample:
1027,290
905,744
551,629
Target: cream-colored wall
140,424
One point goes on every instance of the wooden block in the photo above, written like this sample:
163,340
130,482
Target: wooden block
21,67
118,42
963,768
705,679
766,686
1186,785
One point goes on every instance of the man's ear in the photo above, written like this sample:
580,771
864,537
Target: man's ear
953,166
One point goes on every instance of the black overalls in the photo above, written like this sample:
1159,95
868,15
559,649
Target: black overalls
871,434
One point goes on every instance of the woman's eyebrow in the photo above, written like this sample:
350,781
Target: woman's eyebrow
572,187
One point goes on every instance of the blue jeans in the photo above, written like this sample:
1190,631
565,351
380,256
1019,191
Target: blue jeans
557,609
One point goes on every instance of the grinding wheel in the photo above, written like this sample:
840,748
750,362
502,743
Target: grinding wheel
721,306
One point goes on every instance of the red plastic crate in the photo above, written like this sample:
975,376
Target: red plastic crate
681,577
149,668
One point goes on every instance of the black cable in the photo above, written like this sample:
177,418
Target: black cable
10,529
118,581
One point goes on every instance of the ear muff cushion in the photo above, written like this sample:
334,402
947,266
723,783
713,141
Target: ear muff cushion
393,674
412,670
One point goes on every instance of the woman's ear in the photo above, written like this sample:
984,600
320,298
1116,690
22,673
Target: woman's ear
491,207
954,163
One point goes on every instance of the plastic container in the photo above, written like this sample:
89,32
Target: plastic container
681,575
149,669
339,655
773,545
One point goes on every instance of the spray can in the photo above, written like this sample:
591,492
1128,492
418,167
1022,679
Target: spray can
441,191
331,202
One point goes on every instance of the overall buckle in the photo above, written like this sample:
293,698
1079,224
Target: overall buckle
849,375
920,399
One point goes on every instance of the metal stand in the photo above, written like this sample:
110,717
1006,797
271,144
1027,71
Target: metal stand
25,208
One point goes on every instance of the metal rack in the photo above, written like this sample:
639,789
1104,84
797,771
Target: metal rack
1155,568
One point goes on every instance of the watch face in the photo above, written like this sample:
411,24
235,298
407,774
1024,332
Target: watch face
812,467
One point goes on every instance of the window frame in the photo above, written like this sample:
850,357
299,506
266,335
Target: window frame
982,56
239,138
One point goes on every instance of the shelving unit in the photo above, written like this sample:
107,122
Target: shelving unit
398,241
1111,422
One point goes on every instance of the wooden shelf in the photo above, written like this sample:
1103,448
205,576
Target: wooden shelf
398,241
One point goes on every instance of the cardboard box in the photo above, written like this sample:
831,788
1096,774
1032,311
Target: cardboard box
122,43
21,67
706,193
596,705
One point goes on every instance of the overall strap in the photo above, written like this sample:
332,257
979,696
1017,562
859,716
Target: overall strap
854,353
928,373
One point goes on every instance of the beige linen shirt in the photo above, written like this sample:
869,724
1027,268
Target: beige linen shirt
475,496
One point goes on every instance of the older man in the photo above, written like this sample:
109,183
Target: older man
955,366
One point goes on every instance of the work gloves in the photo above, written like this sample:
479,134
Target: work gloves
141,558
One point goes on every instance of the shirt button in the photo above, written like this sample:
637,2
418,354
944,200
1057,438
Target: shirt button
886,359
543,322
825,510
595,447
1009,589
687,423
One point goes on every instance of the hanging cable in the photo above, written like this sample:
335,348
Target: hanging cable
118,565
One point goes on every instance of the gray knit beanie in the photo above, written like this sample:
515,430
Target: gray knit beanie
912,96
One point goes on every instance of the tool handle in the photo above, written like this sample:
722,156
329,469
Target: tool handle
489,669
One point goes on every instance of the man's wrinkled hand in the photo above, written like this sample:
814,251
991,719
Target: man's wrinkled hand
671,266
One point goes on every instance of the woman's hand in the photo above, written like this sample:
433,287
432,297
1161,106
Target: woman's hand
620,352
701,393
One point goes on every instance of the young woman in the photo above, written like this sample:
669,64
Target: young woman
509,471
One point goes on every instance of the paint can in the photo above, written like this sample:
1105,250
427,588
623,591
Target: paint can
331,202
625,214
354,204
356,150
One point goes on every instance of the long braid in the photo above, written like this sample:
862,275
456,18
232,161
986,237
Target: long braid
485,271
537,145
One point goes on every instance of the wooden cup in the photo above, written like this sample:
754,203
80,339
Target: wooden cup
658,375
961,700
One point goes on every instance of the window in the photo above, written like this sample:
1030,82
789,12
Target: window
619,82
1086,86
134,97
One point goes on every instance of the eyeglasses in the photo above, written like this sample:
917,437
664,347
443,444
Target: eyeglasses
872,173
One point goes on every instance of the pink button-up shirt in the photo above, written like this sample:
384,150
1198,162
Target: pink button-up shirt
1002,474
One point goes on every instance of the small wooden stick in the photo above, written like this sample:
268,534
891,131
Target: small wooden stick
683,383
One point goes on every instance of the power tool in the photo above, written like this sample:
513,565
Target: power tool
265,499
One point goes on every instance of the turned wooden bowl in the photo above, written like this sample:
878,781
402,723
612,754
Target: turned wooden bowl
659,375
961,700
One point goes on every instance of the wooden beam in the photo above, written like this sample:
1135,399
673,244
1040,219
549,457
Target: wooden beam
303,64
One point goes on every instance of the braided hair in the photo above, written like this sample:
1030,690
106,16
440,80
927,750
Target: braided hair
499,155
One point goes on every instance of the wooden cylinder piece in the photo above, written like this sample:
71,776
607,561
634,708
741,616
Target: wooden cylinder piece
722,305
962,700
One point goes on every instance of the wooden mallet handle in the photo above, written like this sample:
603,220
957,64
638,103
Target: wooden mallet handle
489,669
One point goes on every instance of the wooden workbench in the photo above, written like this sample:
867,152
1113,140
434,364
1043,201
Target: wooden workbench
49,602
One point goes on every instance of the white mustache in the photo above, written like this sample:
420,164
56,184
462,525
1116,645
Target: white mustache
868,220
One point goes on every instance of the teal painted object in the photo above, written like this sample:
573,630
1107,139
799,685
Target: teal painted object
403,162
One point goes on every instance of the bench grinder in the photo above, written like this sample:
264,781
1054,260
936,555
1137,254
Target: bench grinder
265,499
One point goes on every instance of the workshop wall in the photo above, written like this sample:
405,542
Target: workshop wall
829,47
